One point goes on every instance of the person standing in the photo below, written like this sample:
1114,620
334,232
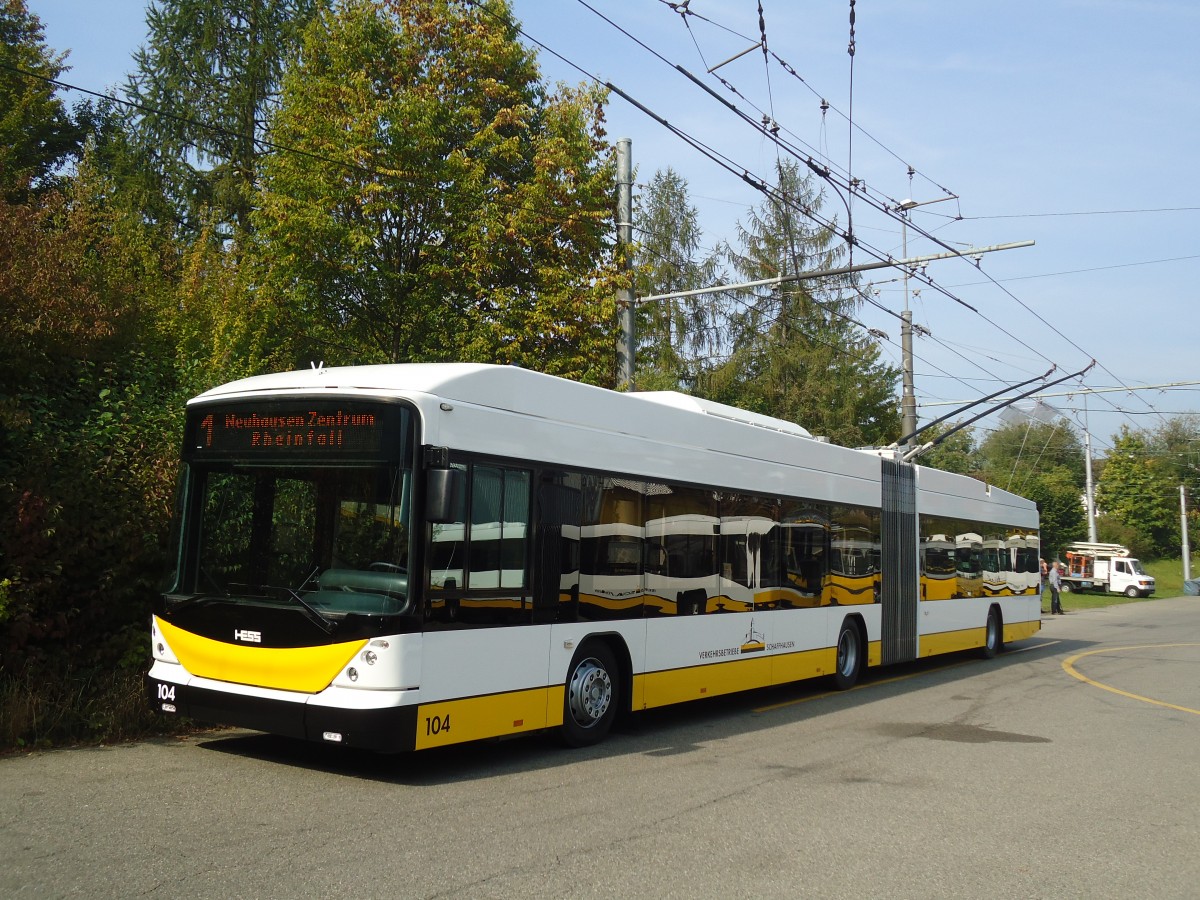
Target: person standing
1055,587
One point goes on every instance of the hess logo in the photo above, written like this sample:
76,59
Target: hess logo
250,637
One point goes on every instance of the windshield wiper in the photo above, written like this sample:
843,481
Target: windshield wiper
179,601
318,619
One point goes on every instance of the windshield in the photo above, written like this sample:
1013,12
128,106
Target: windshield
333,539
297,501
1137,567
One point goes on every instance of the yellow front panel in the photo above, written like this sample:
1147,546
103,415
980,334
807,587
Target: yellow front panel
304,669
496,715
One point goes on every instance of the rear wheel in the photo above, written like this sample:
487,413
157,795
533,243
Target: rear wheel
849,656
1064,588
590,700
993,638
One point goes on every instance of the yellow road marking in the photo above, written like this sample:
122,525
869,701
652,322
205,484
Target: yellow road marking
1069,666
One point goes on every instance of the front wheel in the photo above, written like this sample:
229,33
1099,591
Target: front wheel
1132,593
590,700
849,656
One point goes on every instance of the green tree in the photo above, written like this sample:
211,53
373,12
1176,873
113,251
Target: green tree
1061,513
446,206
1177,444
205,84
1137,492
88,434
955,454
1044,462
675,337
1013,455
795,351
37,135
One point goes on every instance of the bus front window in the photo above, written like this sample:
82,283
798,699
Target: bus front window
335,538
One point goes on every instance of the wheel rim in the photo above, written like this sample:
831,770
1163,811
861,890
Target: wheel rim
847,654
589,693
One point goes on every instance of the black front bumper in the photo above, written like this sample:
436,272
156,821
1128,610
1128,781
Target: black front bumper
387,730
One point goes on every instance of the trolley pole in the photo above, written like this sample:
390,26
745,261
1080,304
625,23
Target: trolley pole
627,347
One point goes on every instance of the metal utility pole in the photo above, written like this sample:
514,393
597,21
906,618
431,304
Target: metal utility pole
627,349
1187,553
1090,484
908,397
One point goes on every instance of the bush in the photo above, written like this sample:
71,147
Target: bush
87,469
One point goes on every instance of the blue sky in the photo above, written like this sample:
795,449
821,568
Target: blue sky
1072,123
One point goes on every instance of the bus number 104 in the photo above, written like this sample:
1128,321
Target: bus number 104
437,724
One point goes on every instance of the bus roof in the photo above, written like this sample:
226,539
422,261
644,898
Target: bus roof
502,387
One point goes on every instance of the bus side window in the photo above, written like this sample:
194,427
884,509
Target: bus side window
499,526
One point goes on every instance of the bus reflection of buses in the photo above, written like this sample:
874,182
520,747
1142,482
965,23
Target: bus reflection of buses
939,573
610,568
1017,576
1030,563
746,576
996,567
853,566
681,563
968,550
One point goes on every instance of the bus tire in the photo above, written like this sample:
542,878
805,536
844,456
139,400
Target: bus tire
848,662
993,634
591,695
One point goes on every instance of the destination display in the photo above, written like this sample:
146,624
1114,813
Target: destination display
294,428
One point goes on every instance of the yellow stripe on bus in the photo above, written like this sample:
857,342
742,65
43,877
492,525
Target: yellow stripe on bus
971,638
951,641
696,682
304,669
493,715
1018,631
501,715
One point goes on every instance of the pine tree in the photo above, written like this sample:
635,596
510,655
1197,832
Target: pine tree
677,336
205,84
796,351
37,134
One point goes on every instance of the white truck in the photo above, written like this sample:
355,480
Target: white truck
1105,567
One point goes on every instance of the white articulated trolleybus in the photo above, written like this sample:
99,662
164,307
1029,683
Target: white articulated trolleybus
408,556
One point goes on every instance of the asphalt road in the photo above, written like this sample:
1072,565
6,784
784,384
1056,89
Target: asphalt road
1067,767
